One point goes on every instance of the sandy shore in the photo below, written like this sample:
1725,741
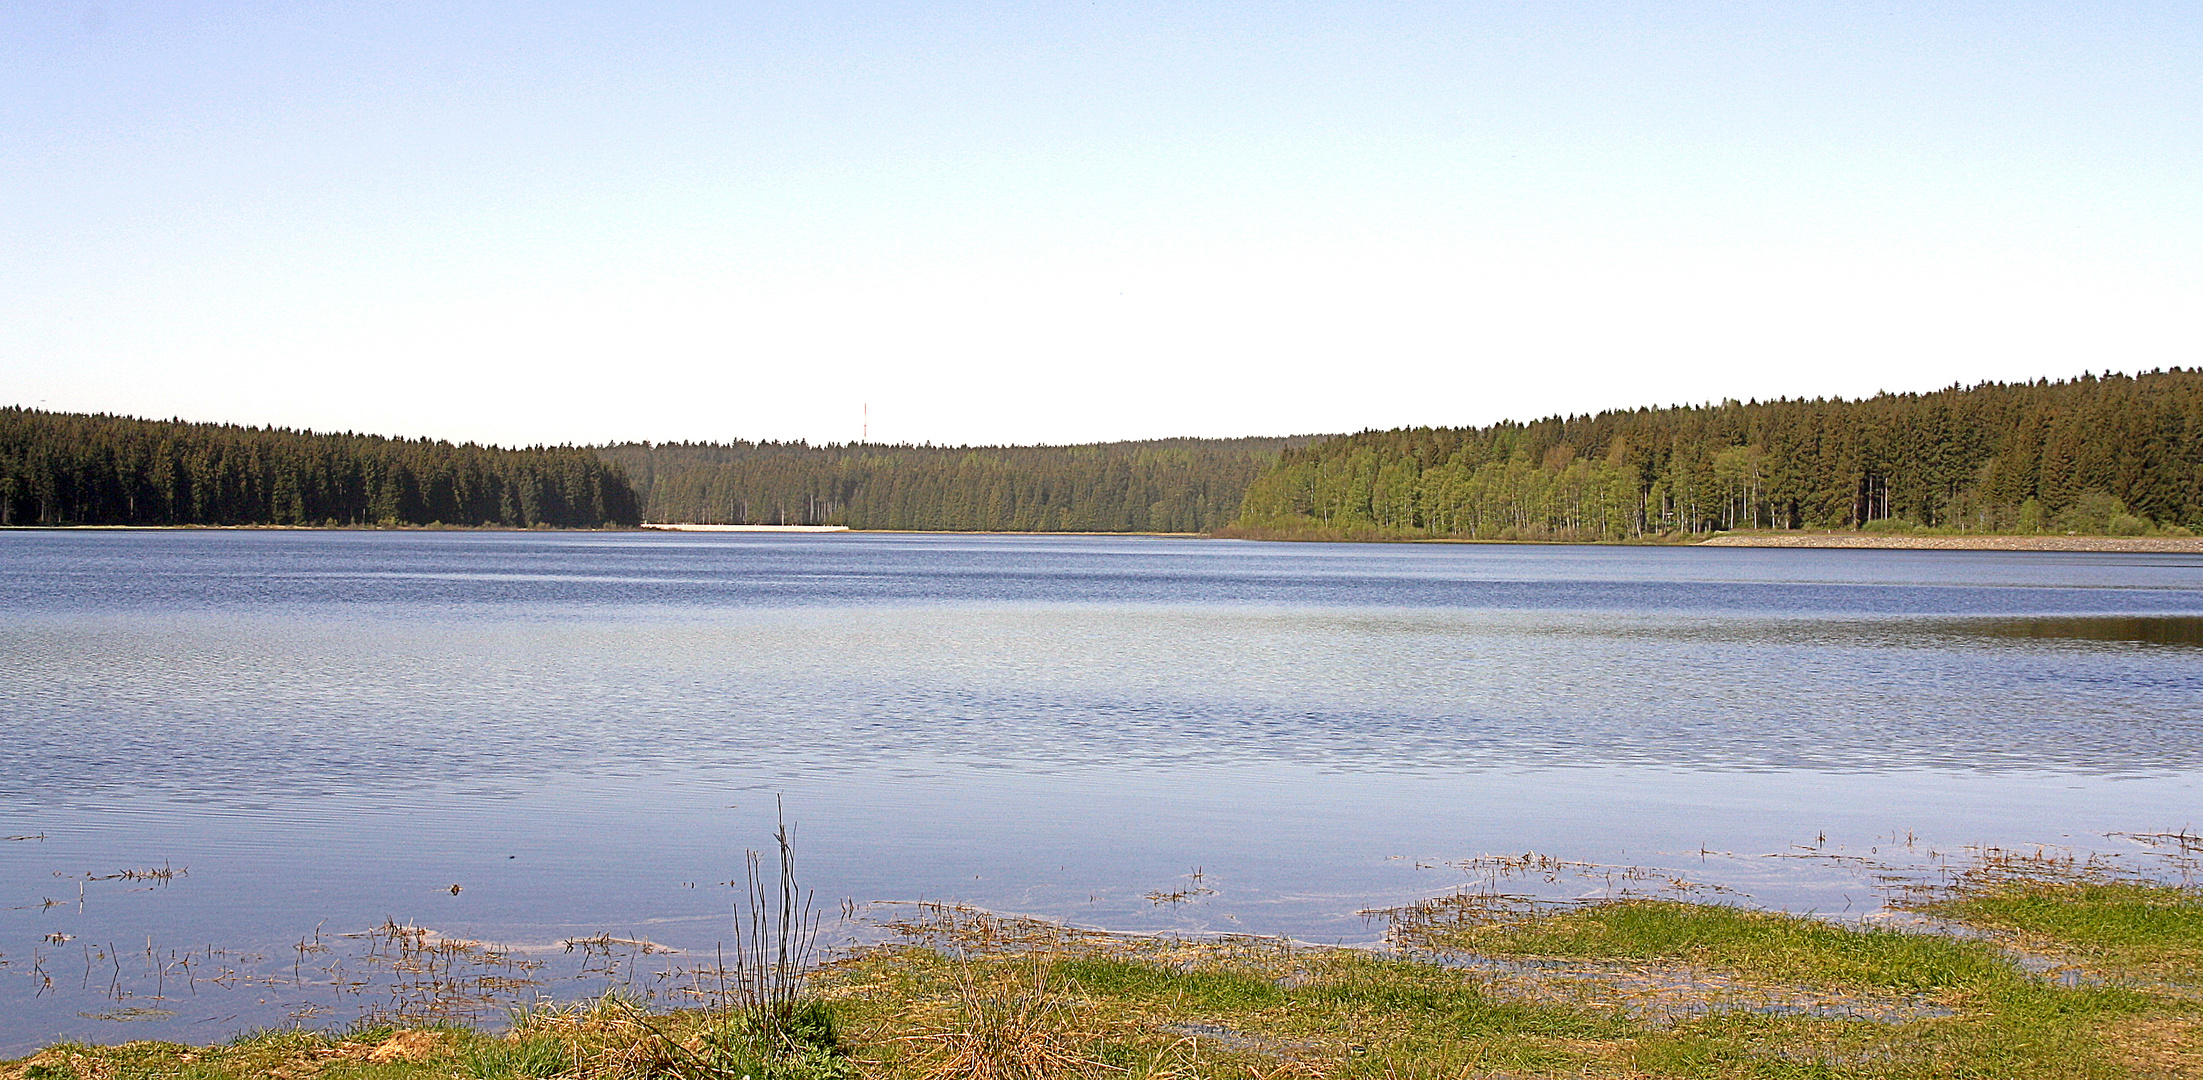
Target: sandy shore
1961,543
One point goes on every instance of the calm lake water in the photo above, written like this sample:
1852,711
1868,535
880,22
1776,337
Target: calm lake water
221,752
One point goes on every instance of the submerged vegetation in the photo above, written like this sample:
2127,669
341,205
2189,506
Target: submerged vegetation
2111,455
2024,966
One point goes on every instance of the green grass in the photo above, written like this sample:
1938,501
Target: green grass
2126,927
1755,944
1201,990
1530,994
522,1059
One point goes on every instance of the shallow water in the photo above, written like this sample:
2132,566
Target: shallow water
585,731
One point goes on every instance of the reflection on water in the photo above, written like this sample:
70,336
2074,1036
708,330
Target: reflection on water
584,731
2147,630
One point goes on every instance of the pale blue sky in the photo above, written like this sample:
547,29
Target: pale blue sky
1079,221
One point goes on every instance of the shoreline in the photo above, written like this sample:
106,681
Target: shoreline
643,528
1985,542
2161,545
664,526
1801,539
2003,962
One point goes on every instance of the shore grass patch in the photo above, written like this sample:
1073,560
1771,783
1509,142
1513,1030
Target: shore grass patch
1481,986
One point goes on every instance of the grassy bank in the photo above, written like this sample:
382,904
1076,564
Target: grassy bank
1930,540
1909,539
1316,532
2036,968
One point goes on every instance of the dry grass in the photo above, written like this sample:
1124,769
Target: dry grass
1635,987
1008,1028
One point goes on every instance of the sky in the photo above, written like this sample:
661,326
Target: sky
1067,222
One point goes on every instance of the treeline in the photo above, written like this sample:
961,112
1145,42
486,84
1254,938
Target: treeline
2115,454
74,469
1161,485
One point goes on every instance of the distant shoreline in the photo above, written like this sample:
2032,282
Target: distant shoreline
646,527
1822,540
2159,544
673,527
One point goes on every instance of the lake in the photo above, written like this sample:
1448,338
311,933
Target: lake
226,756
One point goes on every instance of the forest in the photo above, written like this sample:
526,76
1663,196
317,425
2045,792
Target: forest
2097,454
76,469
1160,485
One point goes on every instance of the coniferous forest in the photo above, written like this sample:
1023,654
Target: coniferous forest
74,469
2112,454
1160,485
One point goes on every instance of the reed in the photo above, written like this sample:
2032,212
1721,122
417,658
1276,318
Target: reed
775,932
